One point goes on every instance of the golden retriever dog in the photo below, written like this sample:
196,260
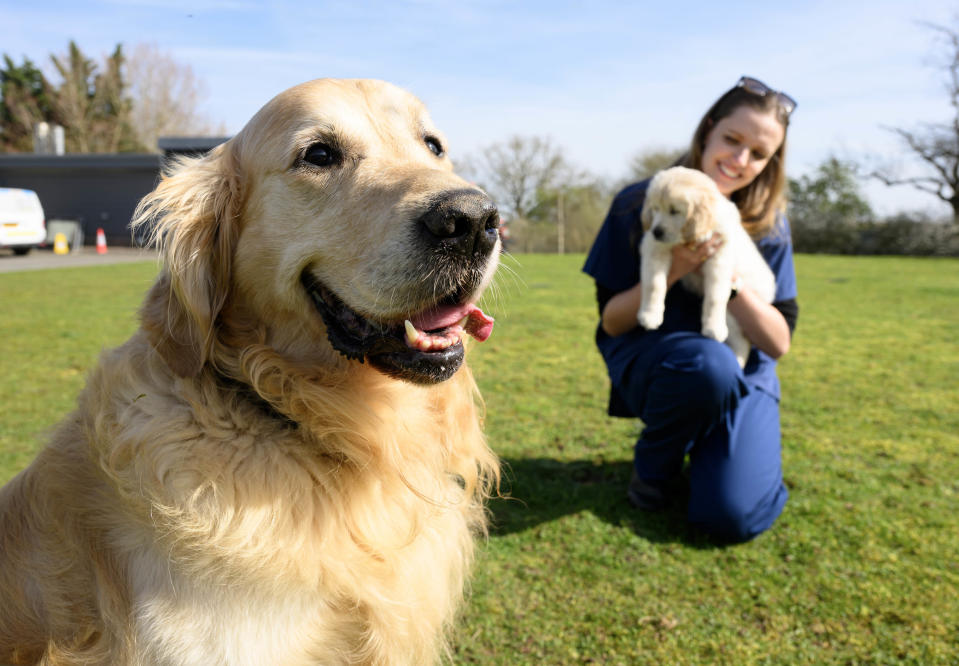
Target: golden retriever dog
284,464
685,206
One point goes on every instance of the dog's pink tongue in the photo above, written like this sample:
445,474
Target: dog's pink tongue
478,323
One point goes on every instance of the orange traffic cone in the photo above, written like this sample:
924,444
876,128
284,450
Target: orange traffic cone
101,242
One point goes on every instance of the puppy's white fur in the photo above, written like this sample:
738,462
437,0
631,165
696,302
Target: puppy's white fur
685,206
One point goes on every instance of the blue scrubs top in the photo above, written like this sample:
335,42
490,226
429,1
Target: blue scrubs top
613,262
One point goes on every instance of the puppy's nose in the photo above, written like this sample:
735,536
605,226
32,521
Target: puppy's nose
463,221
658,233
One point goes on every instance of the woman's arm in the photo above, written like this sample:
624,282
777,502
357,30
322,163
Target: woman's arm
762,324
619,315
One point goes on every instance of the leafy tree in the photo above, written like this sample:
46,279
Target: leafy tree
936,144
27,99
826,209
93,106
90,101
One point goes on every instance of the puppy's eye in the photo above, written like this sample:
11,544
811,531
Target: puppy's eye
673,210
434,145
321,155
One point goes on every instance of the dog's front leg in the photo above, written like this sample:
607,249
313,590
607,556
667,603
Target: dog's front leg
656,259
717,283
737,340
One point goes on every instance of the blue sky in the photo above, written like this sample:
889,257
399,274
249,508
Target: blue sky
604,80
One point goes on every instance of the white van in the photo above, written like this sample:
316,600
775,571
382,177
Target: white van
22,224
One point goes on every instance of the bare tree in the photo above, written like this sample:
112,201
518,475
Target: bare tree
567,218
936,144
647,162
166,95
517,170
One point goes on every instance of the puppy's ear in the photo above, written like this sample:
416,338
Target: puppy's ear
194,213
700,218
646,217
653,194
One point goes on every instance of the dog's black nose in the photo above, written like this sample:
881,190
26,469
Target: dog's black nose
658,233
463,221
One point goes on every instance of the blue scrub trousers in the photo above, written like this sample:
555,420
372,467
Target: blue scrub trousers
694,399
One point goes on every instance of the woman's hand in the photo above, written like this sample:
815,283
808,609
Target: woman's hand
688,259
619,315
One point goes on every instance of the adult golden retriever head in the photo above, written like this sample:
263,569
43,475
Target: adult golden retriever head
330,229
681,206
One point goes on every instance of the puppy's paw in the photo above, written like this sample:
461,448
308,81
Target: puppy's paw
649,319
716,330
740,347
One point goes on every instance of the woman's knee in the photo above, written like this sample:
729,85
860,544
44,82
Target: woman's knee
734,517
692,378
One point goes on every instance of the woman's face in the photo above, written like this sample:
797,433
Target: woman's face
740,146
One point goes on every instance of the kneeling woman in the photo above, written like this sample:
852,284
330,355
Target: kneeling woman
689,390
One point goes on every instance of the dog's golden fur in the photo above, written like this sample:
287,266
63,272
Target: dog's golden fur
230,489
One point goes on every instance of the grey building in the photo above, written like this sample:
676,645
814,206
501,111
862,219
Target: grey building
100,191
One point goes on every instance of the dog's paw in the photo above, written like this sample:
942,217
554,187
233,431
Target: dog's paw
716,330
740,347
649,319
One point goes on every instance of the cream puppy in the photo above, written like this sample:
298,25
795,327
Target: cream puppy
685,206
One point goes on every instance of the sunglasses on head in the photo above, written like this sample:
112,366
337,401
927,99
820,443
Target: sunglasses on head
760,89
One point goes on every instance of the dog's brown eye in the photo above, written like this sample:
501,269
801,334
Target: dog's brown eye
673,210
321,155
434,145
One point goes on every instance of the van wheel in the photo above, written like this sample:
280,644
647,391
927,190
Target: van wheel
20,251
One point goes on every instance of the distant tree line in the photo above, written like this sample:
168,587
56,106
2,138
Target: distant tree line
549,207
118,105
829,215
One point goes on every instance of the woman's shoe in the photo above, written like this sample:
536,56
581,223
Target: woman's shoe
646,496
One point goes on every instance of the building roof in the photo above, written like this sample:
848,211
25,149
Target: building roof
81,160
189,144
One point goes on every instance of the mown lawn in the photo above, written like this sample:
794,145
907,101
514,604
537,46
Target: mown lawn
862,568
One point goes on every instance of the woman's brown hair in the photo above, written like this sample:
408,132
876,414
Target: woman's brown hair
762,200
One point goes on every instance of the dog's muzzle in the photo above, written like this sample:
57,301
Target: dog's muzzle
458,233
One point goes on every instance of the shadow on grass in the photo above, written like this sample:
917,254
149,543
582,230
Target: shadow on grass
541,490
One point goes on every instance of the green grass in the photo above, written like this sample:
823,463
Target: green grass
53,324
862,568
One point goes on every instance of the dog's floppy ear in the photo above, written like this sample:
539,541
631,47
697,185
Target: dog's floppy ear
193,212
646,216
700,217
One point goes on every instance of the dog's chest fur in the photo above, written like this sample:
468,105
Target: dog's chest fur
181,622
244,542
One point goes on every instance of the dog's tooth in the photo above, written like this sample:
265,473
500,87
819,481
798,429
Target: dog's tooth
412,335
